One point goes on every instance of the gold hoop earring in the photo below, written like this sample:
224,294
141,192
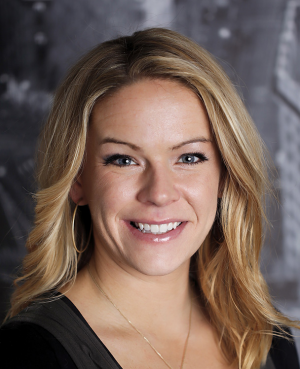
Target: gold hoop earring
73,235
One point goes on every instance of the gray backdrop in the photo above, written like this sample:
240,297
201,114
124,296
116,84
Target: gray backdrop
256,41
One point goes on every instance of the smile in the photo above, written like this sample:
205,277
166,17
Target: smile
155,228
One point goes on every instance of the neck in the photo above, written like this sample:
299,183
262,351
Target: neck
151,302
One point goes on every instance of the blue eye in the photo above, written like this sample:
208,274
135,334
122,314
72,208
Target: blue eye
192,158
119,160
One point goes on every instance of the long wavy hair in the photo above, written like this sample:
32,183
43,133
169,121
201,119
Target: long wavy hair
233,290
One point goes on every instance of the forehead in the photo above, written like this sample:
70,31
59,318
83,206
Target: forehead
151,109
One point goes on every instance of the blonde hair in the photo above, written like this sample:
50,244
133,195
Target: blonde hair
233,290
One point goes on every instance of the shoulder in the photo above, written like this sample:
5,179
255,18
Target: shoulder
283,351
26,345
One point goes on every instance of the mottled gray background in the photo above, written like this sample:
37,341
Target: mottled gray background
256,41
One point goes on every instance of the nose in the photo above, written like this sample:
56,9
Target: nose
158,187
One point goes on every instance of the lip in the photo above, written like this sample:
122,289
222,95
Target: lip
165,221
156,238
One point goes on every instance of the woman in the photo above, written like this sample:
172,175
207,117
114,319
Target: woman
145,250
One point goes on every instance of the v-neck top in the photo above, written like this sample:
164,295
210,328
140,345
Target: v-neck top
56,335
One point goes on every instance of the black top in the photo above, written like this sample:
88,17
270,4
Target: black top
26,345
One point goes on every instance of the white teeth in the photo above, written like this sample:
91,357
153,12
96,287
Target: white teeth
154,228
147,227
163,228
157,228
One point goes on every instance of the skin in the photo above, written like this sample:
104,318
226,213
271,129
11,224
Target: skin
148,279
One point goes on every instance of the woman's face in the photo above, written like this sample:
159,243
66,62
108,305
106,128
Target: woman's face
151,164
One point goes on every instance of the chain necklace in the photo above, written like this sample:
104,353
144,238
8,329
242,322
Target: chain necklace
130,323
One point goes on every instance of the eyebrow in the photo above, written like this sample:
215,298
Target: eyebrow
113,140
193,140
138,148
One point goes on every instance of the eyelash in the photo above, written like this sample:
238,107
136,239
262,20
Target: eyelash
110,159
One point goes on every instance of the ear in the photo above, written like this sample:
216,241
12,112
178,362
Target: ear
77,193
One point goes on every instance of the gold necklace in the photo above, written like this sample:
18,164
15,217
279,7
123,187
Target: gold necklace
146,339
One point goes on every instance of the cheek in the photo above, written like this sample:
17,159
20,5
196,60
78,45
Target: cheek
108,193
201,192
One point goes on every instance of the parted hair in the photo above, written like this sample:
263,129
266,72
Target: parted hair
227,265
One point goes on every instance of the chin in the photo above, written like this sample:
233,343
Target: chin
158,269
